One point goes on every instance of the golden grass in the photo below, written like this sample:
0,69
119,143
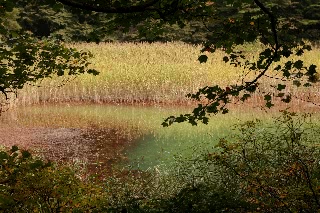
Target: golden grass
142,73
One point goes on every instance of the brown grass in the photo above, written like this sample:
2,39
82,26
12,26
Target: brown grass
158,73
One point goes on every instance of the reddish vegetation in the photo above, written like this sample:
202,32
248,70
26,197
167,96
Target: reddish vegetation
97,149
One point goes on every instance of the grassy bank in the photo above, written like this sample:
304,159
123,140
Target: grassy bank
144,73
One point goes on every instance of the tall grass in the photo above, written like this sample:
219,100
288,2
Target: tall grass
145,73
135,73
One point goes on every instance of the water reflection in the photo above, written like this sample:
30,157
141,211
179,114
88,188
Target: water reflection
101,136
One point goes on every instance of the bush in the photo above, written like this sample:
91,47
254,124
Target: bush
277,167
29,184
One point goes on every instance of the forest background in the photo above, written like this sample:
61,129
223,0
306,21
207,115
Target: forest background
70,24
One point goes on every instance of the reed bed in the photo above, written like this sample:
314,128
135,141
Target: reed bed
144,73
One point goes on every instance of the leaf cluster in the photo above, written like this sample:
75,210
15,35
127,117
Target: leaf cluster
26,60
277,167
250,22
30,184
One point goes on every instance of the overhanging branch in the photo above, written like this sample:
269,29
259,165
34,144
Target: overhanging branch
222,95
270,60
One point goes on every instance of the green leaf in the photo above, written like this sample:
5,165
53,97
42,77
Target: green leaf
165,124
36,164
6,201
267,97
287,99
298,64
312,70
245,97
277,68
299,52
281,87
269,105
14,149
203,58
286,73
60,72
286,52
205,120
3,156
25,154
93,72
225,111
57,7
9,5
252,88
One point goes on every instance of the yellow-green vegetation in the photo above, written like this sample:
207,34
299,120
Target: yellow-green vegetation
143,73
135,72
140,72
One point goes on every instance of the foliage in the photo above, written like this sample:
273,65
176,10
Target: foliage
25,59
262,168
43,18
29,184
42,21
249,23
168,191
63,23
277,168
9,20
270,171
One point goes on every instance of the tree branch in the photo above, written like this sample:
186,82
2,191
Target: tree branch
276,48
272,20
222,95
270,60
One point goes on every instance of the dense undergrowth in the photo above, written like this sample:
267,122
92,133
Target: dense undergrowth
258,169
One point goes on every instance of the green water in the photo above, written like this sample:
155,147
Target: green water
153,144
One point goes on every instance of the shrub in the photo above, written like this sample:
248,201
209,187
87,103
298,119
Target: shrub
29,184
277,167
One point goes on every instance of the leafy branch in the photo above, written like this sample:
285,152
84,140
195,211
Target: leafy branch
215,99
26,60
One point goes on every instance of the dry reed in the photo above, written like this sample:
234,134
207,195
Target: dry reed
143,73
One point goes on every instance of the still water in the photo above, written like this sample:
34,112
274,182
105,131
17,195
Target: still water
108,135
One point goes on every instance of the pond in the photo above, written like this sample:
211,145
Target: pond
106,135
